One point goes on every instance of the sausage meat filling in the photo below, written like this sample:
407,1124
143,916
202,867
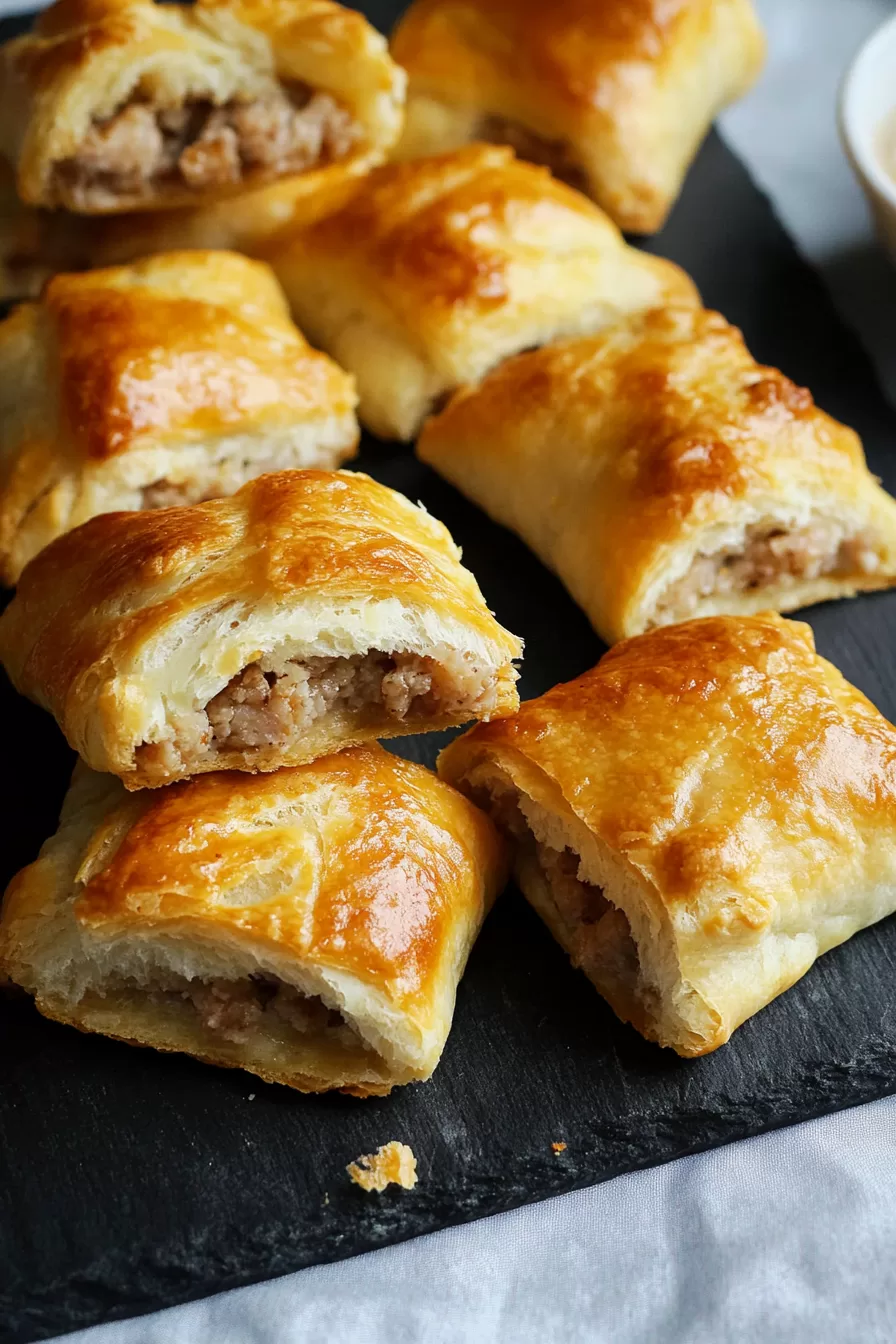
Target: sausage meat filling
272,703
141,150
555,155
770,556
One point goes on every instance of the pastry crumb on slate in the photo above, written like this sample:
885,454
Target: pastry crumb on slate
392,1164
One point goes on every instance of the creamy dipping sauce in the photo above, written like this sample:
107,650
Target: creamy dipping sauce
886,144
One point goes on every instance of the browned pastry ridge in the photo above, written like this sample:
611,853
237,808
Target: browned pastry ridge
170,381
310,611
614,96
662,473
117,105
434,271
697,819
309,925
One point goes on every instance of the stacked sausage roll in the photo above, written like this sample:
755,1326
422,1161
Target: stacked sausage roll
200,593
307,915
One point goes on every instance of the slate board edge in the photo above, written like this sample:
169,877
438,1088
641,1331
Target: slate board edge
866,1079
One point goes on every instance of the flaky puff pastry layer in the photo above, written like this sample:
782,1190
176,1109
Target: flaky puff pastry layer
626,459
436,270
728,801
172,380
360,880
87,59
128,626
614,96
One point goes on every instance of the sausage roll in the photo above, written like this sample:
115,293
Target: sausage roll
312,927
436,270
662,473
114,105
696,819
614,96
308,612
174,380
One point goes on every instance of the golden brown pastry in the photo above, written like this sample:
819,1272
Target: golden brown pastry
662,473
310,611
614,96
436,270
696,819
310,925
115,105
170,381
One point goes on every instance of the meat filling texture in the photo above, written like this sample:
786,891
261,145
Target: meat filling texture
597,934
166,494
555,155
271,704
235,1010
142,149
770,556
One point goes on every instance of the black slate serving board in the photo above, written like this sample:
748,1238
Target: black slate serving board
131,1180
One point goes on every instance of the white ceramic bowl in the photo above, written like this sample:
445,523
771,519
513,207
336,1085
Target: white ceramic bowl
867,98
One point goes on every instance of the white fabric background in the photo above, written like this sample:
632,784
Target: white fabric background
787,1237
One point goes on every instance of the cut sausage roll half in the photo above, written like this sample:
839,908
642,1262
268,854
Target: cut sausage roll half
167,382
662,474
312,928
434,271
309,612
614,98
697,819
115,105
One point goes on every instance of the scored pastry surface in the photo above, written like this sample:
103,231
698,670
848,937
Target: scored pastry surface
614,98
169,381
662,473
310,925
434,271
